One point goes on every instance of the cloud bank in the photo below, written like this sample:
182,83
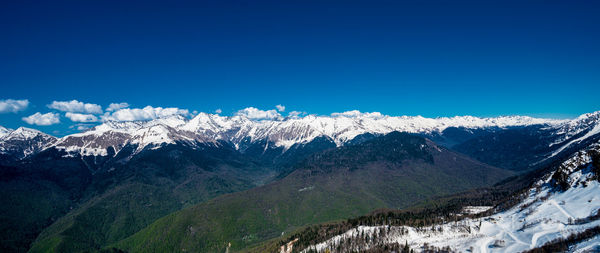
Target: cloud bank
91,114
257,114
78,117
42,119
116,106
146,113
76,106
13,105
296,114
357,113
81,126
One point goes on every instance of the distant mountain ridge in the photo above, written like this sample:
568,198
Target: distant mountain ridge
22,142
278,133
541,139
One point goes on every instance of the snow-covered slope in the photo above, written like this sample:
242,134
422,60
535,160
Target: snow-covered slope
141,134
23,141
586,125
4,131
546,212
340,128
287,132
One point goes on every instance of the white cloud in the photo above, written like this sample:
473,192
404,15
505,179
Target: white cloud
146,113
42,119
78,117
357,113
116,106
12,105
81,127
257,114
218,111
295,114
280,108
75,106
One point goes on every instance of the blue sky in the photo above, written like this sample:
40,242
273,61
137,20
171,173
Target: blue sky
430,58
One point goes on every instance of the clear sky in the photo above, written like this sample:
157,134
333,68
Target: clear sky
429,58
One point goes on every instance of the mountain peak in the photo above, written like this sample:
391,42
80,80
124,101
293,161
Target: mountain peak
23,141
25,133
4,131
584,116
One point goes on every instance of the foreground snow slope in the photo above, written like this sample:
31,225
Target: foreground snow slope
545,213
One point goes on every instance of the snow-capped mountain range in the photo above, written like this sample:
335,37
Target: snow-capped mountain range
213,129
23,142
545,213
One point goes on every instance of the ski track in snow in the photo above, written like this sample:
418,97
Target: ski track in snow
513,236
562,210
538,235
485,244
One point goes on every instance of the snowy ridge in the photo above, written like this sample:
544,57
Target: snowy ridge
23,141
4,131
141,134
286,132
578,125
22,133
572,128
209,128
545,214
